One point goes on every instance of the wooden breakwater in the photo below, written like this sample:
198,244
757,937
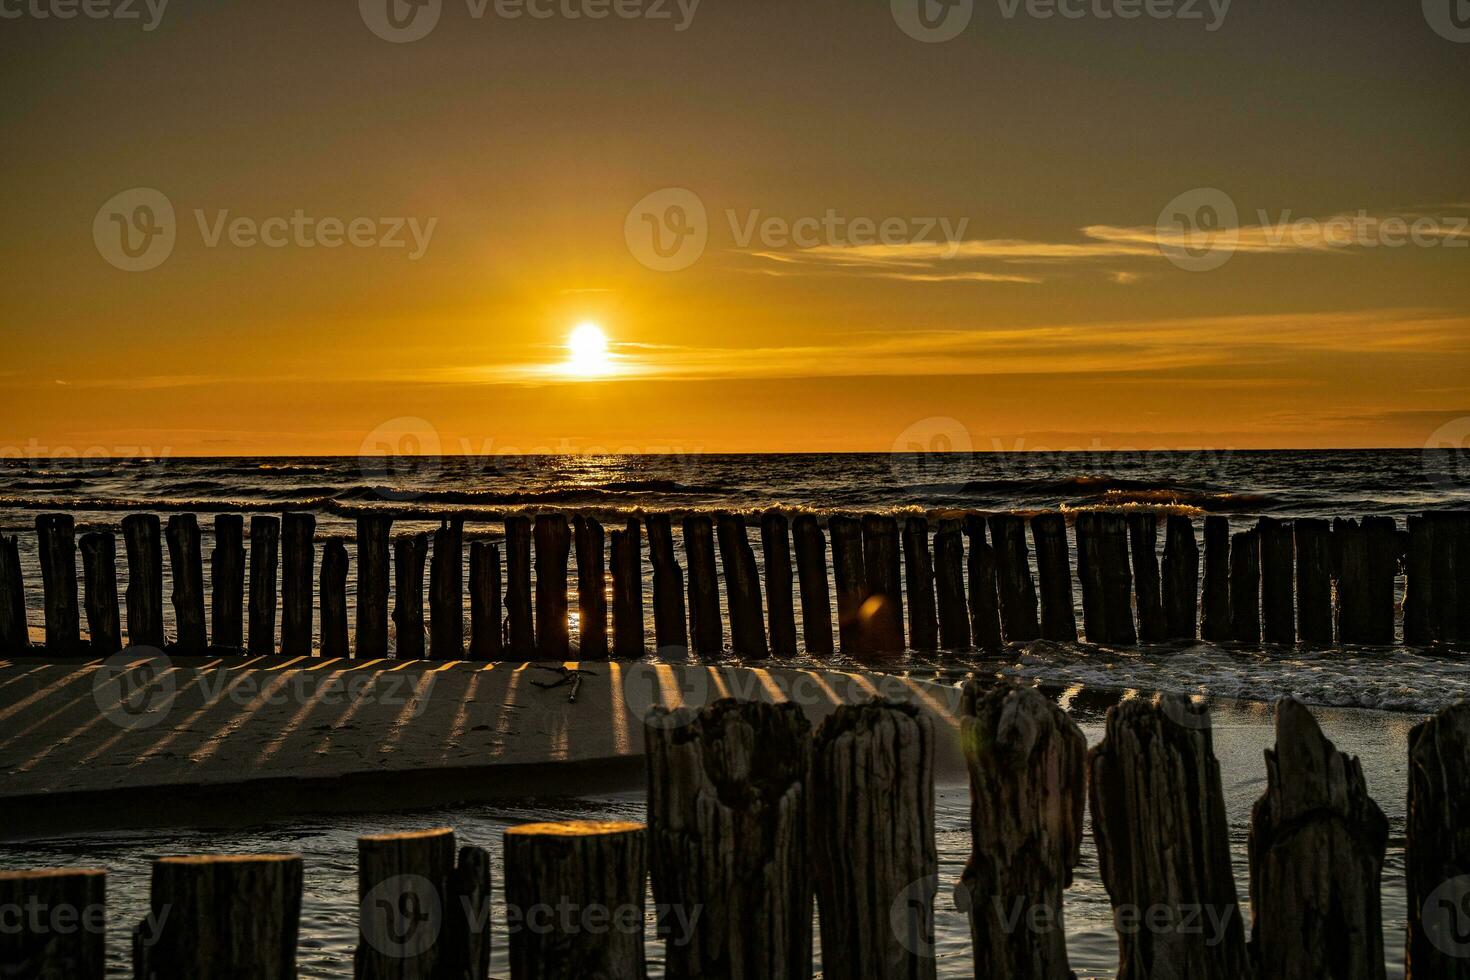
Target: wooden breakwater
755,822
975,581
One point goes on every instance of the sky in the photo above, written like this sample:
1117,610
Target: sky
336,227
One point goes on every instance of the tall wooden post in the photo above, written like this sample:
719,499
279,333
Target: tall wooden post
918,580
670,632
1419,587
446,593
883,606
56,534
518,609
704,586
742,587
265,539
15,634
227,582
949,577
99,571
333,591
811,571
851,578
186,562
410,551
374,531
485,602
591,589
143,536
1215,614
1143,543
1437,847
1245,587
1181,579
780,603
984,610
553,539
1278,600
56,926
627,586
1013,579
298,561
1054,572
1102,566
1311,539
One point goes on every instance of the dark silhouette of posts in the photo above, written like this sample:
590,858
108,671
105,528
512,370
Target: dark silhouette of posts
984,611
1107,589
949,580
704,586
446,593
1245,587
1215,611
1278,601
882,612
143,537
591,589
1419,587
56,535
1013,579
518,610
15,634
780,602
1143,543
265,539
742,587
627,588
298,561
186,561
374,532
1181,578
227,582
333,592
811,571
1312,545
670,632
850,576
1054,572
918,580
553,540
1365,569
410,551
485,602
99,572
56,924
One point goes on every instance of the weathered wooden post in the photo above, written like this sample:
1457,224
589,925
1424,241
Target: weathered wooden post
984,608
1143,543
1163,842
1384,552
742,587
56,534
99,571
1027,795
1054,574
1278,601
755,918
446,592
1181,578
298,560
882,613
15,634
421,915
1437,847
553,539
1245,587
627,588
918,581
574,895
334,598
227,918
65,939
1215,612
1316,850
374,531
1419,587
143,537
227,582
485,602
518,611
949,578
670,631
1107,587
591,589
780,603
1450,564
811,574
1013,579
707,628
410,551
1367,562
874,862
1311,543
265,537
851,580
186,562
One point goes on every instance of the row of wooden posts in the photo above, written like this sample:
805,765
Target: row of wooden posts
752,817
1306,580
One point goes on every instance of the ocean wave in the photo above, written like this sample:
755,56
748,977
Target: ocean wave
47,485
608,492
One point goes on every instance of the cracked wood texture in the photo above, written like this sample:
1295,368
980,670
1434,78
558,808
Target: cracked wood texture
728,790
1027,795
1437,848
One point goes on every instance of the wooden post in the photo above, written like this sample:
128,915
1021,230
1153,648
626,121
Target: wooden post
1215,614
918,581
1437,848
56,534
949,576
851,580
882,614
627,587
143,536
1315,814
1384,552
374,531
265,537
1419,588
591,589
420,915
1013,579
446,593
811,573
409,554
15,634
186,562
1245,587
522,638
874,862
1450,566
704,586
1278,601
553,539
1181,578
1163,843
742,587
485,611
576,891
984,611
1054,572
227,918
1027,795
334,598
1143,543
56,926
670,632
99,570
780,603
1102,566
227,582
298,559
1311,543
757,910
1367,562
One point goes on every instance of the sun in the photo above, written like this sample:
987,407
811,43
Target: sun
587,349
